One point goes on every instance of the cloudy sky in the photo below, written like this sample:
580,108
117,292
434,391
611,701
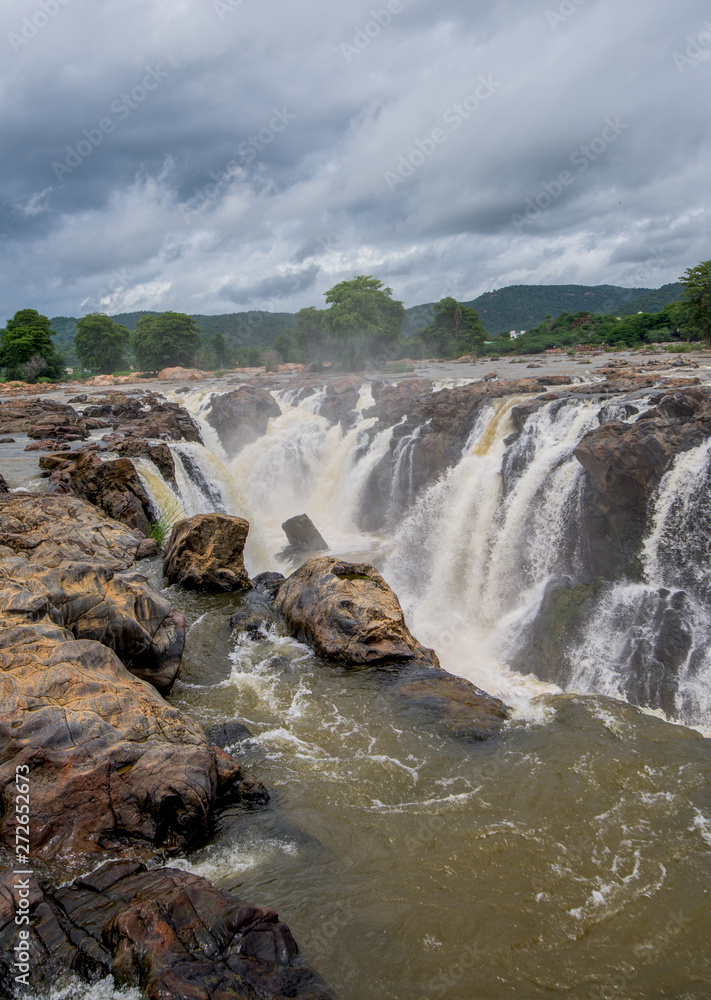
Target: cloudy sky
218,155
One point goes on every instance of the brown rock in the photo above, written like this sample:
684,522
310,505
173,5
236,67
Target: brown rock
346,612
205,552
110,762
165,931
182,374
464,709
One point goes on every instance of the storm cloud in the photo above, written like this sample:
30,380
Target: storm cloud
217,155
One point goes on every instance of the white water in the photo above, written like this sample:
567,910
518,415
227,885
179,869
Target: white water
471,555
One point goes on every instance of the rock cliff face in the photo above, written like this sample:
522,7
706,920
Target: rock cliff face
241,416
169,933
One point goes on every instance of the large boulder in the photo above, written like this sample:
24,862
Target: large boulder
303,535
108,761
241,416
120,610
205,552
42,419
347,613
167,932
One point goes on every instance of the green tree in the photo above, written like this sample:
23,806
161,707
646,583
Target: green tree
26,348
219,346
100,343
166,340
362,320
697,298
456,329
309,334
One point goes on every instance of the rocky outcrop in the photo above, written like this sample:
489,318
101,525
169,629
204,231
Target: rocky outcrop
182,375
112,486
110,762
54,530
241,416
167,932
149,417
92,601
347,613
42,419
625,463
205,552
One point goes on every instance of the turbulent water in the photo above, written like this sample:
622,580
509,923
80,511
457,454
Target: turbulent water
568,857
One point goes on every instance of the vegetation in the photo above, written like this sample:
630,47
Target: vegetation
697,298
101,343
26,349
166,340
455,330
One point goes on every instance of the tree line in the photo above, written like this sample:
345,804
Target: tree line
361,327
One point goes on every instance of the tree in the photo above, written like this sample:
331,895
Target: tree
310,334
456,329
167,340
361,320
219,346
26,348
100,343
697,297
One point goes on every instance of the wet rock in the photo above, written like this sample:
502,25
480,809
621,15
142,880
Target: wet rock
4,488
110,762
347,613
113,486
7,440
167,932
303,535
120,610
268,583
341,401
228,733
464,709
46,444
205,552
55,530
253,623
242,416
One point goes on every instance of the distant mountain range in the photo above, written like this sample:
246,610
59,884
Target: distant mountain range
516,307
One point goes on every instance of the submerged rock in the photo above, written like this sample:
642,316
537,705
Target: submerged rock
205,552
167,932
346,612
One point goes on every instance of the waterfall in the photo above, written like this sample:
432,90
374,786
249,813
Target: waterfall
475,554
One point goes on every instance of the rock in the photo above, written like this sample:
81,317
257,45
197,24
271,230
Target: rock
55,530
113,486
205,552
110,762
303,535
41,419
242,416
464,709
7,440
46,444
268,583
4,488
347,613
252,623
228,733
166,932
120,610
184,374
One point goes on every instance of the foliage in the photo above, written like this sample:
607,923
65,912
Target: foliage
361,320
165,521
166,340
270,359
101,343
455,330
26,348
697,298
219,347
